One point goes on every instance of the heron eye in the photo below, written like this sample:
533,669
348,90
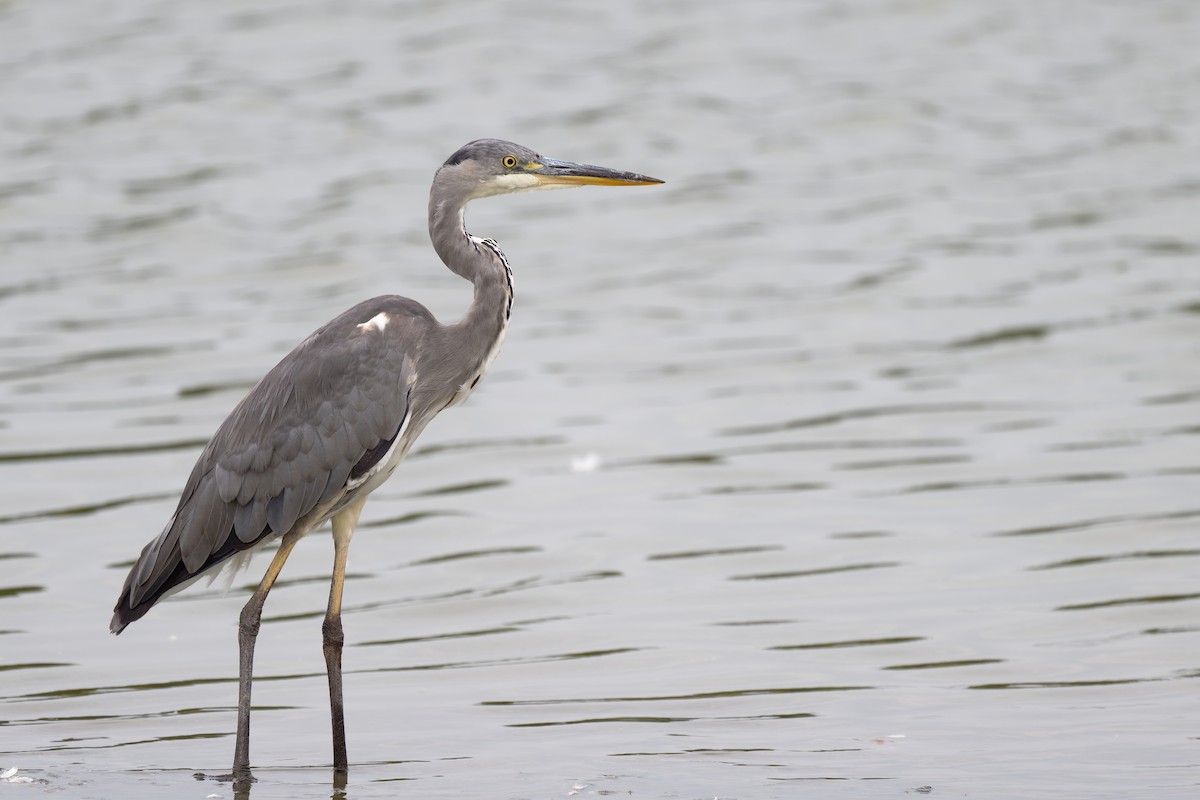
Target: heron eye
509,162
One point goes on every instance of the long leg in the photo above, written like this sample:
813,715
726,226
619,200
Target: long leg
248,624
343,528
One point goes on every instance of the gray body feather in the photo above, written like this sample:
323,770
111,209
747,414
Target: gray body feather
327,423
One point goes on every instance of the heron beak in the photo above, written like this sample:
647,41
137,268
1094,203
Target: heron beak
549,172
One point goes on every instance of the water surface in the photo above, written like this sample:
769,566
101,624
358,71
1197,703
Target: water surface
860,459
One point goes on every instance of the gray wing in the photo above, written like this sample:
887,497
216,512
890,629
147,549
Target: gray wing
322,417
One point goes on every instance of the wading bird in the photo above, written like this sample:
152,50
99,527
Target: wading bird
330,422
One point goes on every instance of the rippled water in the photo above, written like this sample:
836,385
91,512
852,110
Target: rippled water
859,459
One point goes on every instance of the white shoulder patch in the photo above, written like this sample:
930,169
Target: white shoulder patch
378,322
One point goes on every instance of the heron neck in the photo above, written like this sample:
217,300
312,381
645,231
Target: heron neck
448,232
481,262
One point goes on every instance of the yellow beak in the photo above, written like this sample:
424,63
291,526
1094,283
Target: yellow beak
567,173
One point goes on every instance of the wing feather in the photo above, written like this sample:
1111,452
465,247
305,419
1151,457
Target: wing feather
249,520
288,447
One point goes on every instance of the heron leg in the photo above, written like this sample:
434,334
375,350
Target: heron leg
344,523
248,625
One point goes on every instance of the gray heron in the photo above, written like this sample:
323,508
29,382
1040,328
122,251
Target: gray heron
331,421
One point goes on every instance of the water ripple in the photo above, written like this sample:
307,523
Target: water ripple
440,636
88,718
519,585
34,665
993,483
849,643
654,720
1063,684
183,737
806,573
966,662
1130,601
1094,522
141,223
871,412
486,444
1087,561
15,591
1023,333
766,488
466,554
656,698
503,662
85,509
716,551
900,463
698,751
100,452
461,488
407,519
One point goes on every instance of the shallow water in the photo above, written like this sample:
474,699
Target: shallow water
859,458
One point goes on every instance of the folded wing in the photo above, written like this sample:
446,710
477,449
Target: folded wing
321,419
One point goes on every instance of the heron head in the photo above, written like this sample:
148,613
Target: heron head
487,167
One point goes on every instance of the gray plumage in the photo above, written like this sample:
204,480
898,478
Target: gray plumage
332,420
288,447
